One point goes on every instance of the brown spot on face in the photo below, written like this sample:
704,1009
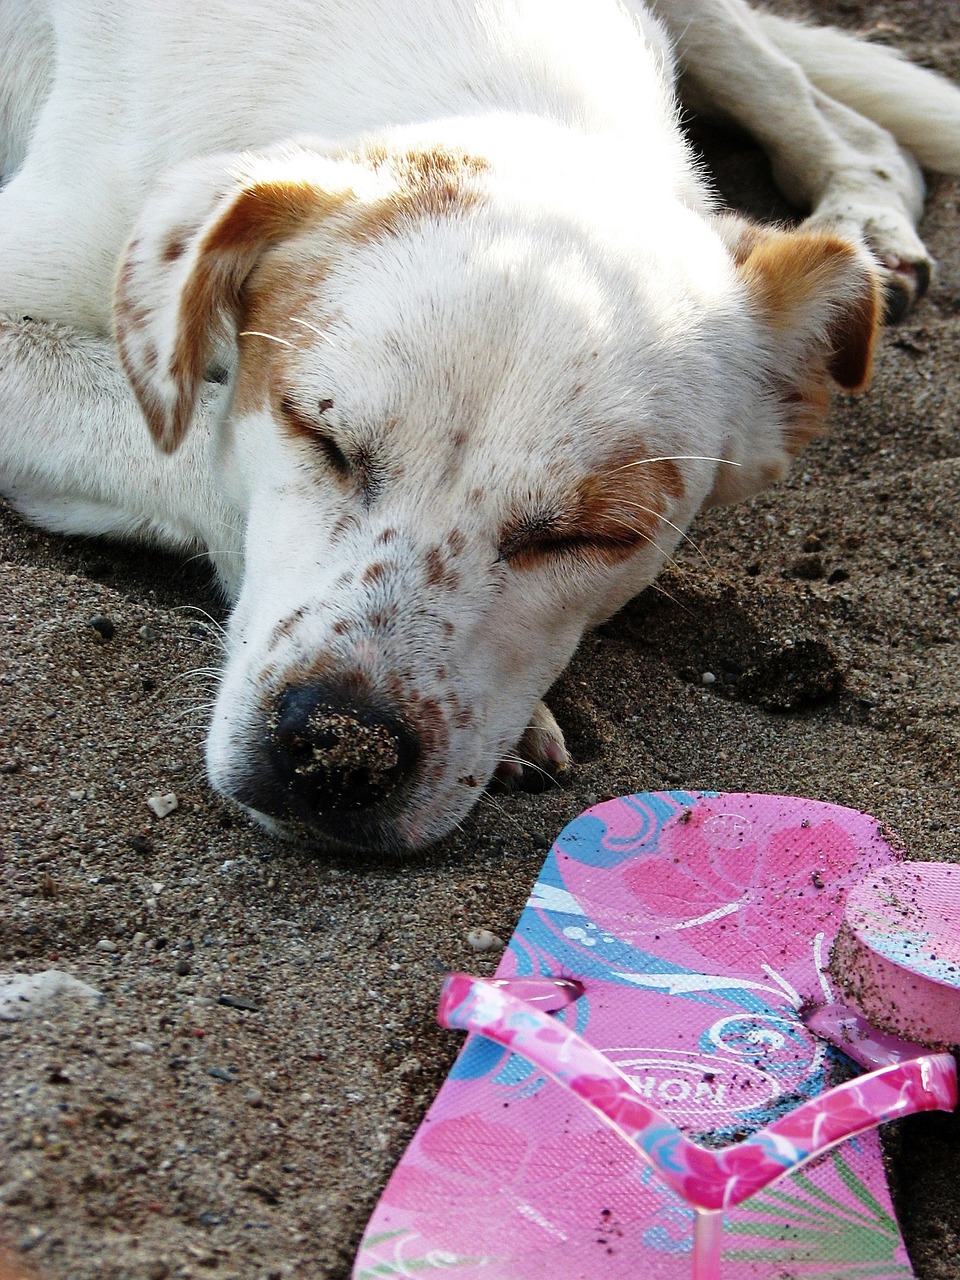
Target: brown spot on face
448,629
284,627
436,567
463,718
383,618
457,542
341,627
375,572
388,535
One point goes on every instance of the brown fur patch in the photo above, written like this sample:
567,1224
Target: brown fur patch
813,281
176,246
607,518
436,567
433,182
261,215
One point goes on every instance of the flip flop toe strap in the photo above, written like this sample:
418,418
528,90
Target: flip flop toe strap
707,1179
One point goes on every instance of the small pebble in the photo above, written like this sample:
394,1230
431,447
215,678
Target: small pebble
810,568
104,627
238,1002
147,633
220,1073
31,1238
162,805
708,678
23,995
182,968
253,1097
106,944
483,940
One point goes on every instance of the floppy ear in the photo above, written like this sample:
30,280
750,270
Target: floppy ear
179,287
817,300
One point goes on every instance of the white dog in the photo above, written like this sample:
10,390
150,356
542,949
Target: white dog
441,337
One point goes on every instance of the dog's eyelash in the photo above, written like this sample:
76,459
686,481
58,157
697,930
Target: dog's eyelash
323,440
522,551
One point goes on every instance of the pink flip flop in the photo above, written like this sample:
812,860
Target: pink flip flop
690,933
897,956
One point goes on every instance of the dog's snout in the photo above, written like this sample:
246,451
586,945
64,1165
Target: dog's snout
334,753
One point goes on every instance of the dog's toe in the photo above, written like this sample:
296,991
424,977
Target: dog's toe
540,758
905,283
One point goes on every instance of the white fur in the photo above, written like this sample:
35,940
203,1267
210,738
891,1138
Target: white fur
468,367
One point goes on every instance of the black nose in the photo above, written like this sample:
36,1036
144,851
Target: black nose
333,753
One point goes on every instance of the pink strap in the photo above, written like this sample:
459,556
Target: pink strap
707,1179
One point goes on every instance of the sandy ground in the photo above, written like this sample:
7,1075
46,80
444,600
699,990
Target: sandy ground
267,1043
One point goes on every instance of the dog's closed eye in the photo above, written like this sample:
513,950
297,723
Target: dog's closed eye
530,543
319,436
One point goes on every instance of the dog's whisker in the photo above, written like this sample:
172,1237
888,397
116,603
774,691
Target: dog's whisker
638,506
524,763
662,591
182,718
637,532
270,337
313,329
486,797
676,457
214,623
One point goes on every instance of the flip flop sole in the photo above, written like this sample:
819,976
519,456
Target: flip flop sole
698,925
897,955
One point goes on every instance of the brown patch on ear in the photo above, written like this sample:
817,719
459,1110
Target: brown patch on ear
820,297
853,336
281,287
260,216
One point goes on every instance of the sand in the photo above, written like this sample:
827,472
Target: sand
266,1045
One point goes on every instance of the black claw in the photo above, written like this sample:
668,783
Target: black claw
922,270
897,301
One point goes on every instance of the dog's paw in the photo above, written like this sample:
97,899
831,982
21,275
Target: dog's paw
905,265
540,757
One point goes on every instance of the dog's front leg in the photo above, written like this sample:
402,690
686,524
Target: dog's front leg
828,158
76,456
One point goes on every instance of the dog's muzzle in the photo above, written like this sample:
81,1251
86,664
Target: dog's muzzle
331,759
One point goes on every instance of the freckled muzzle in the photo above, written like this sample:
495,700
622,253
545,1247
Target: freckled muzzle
332,759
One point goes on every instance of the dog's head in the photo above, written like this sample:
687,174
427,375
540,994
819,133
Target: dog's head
474,402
